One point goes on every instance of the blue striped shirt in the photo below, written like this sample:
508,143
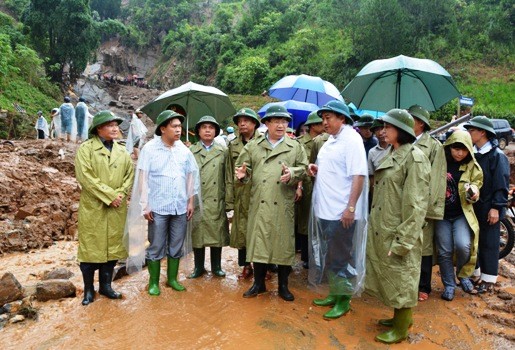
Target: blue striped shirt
168,169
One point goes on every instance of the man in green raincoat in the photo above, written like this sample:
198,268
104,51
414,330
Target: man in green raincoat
210,229
274,164
237,198
303,207
433,150
104,170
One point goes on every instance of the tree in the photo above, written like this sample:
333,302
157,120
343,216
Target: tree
64,32
107,8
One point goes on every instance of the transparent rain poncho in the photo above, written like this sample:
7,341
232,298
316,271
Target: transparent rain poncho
81,115
67,112
136,227
337,254
136,135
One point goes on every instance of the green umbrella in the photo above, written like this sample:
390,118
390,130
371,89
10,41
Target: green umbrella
194,100
401,82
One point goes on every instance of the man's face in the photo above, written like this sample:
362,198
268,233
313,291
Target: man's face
276,127
476,134
317,128
108,131
207,132
139,115
365,132
379,132
332,123
172,131
246,125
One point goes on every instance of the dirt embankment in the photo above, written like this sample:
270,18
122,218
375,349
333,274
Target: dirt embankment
39,194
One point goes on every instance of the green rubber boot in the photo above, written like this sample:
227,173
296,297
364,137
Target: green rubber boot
171,273
388,322
216,262
154,270
199,256
330,300
340,308
401,321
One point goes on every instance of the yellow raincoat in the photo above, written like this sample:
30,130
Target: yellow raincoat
103,175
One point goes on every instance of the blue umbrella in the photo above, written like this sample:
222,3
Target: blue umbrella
305,88
299,110
360,112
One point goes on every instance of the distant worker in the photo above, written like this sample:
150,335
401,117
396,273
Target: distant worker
42,127
137,134
81,117
230,134
55,124
68,122
363,124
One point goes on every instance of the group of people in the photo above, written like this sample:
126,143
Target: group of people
68,122
370,211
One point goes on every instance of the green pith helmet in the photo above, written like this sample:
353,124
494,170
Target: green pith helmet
276,112
420,113
290,130
483,123
313,118
165,116
376,125
246,112
365,121
102,118
337,107
207,119
401,119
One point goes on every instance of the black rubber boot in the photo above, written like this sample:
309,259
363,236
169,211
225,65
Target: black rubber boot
259,281
105,277
216,262
88,274
199,270
283,272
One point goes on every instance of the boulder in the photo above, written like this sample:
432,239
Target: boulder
17,318
57,274
54,289
10,289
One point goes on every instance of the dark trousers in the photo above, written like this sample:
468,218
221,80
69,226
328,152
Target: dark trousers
488,251
41,134
426,269
242,257
304,256
340,257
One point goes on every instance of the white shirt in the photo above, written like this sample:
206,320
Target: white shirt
341,157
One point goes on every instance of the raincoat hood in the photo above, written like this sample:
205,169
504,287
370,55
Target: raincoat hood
460,136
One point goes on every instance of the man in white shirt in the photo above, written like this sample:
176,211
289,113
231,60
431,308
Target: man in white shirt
339,210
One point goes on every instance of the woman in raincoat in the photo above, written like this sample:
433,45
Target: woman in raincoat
394,242
105,172
457,234
273,164
210,228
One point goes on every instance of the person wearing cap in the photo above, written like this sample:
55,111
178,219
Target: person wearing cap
237,197
167,191
303,206
230,134
42,126
338,217
105,173
363,124
379,151
137,134
81,117
211,229
68,122
273,164
55,124
434,151
394,241
490,208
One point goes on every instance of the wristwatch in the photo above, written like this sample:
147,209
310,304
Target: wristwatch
352,209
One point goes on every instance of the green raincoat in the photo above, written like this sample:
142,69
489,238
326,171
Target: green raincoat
237,197
433,150
399,206
212,229
318,142
270,230
303,207
103,175
471,174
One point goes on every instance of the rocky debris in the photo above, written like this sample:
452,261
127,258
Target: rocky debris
10,289
55,289
39,194
17,318
60,273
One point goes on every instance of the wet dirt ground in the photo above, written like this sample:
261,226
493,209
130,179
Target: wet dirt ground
212,314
